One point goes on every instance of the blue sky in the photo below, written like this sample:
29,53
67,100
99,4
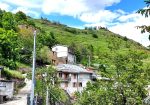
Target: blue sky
119,16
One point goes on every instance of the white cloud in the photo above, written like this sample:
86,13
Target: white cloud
129,17
64,7
81,9
27,11
25,3
121,23
121,12
128,27
100,16
102,24
75,7
4,6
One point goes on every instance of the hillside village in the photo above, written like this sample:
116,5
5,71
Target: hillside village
73,77
45,62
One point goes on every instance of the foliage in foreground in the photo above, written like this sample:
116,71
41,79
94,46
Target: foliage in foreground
46,78
146,13
126,87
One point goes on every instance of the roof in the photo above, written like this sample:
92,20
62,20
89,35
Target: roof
72,68
59,45
7,81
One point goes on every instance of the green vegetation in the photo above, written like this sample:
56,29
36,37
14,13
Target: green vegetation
12,74
125,87
128,81
8,49
120,59
101,45
47,78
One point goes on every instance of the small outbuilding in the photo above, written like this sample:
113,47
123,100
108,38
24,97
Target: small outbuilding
6,89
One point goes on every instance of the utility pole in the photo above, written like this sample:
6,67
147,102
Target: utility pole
77,82
33,71
47,97
75,60
89,60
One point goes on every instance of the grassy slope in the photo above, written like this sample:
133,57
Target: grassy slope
103,44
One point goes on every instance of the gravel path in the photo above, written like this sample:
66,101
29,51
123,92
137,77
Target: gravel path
21,97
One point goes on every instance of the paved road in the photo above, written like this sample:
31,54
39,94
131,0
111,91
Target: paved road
21,98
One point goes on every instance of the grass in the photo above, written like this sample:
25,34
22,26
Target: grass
12,74
106,43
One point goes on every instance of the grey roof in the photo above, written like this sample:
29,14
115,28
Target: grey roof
72,68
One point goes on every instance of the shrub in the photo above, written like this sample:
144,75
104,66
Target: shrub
125,38
71,30
12,74
94,35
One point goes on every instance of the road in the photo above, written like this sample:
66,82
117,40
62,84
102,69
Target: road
21,97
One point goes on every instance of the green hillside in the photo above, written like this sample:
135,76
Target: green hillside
102,45
124,63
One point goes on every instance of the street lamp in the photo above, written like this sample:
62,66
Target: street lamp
33,71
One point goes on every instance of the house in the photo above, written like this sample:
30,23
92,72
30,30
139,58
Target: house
6,89
73,78
61,54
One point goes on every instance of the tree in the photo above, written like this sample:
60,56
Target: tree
47,77
8,47
20,16
43,56
1,15
48,39
8,22
126,86
146,13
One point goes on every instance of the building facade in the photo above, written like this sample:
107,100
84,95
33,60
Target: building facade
6,89
61,54
73,78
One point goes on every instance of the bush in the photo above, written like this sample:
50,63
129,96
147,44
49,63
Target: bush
43,56
31,22
71,30
94,35
12,74
8,63
125,38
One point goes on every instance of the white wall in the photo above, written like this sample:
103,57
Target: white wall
62,51
8,89
84,78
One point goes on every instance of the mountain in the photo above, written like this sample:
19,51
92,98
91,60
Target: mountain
101,45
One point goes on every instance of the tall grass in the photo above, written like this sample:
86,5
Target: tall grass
12,74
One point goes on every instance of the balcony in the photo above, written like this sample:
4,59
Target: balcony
68,79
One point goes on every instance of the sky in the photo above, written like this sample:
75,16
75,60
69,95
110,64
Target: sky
119,16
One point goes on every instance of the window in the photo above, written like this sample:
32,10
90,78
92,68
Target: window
66,84
74,76
66,76
53,61
80,84
74,84
60,75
